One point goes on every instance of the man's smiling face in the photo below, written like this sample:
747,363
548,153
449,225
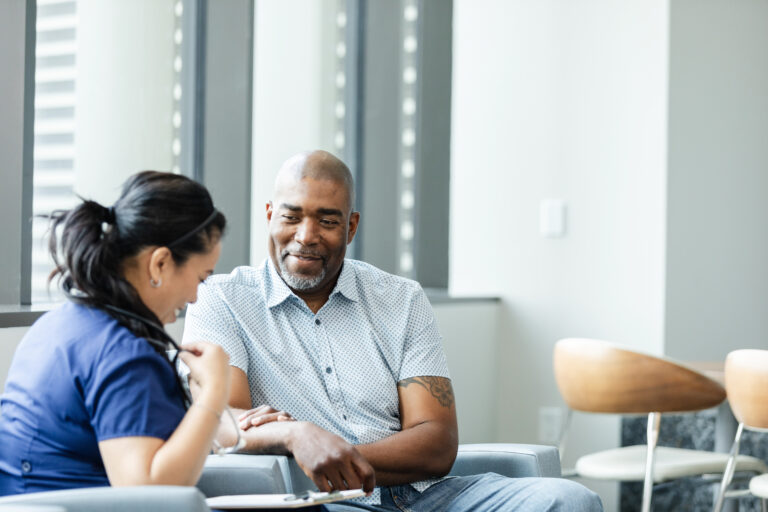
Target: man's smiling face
310,225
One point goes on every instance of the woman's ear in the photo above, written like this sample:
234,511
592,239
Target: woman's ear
160,263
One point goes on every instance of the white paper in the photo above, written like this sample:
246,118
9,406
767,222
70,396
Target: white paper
245,501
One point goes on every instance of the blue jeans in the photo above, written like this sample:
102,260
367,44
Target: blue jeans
487,492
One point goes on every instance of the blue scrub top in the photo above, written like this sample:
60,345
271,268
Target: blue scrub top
77,378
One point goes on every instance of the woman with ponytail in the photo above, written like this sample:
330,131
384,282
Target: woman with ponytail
92,398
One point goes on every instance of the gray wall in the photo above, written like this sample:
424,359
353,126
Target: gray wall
717,241
378,232
16,109
227,122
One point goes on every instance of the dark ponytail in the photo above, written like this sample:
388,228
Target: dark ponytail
154,209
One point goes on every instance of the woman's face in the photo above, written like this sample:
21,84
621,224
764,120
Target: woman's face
184,282
178,283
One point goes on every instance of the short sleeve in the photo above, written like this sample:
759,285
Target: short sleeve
423,350
210,319
133,392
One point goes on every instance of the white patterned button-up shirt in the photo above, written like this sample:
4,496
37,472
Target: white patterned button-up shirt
338,368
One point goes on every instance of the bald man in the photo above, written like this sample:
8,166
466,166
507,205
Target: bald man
341,364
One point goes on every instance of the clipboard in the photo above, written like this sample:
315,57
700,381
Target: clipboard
287,501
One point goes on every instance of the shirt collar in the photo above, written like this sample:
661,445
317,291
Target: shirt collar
278,292
346,283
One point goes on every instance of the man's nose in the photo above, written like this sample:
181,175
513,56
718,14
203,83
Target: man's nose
307,232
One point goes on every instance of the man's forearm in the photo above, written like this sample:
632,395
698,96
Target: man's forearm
426,450
327,459
423,451
271,438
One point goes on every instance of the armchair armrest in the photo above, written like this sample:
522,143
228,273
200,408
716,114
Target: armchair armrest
512,460
31,508
245,474
266,474
155,498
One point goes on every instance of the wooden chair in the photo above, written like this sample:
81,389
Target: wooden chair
746,381
601,377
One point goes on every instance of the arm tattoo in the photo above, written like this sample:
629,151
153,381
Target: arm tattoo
439,387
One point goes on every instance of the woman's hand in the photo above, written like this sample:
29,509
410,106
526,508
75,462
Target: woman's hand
261,415
178,460
209,372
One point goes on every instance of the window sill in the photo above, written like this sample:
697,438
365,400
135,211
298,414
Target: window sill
441,296
24,316
12,315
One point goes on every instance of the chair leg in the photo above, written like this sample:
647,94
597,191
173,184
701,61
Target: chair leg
564,428
654,422
730,468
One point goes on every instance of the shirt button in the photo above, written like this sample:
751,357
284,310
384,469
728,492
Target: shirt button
26,467
345,416
317,321
328,370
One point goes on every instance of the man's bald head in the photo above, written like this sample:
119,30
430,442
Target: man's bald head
317,165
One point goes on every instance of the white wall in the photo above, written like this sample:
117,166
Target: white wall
566,100
717,287
9,339
470,331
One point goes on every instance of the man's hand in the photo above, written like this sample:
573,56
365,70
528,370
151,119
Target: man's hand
331,462
261,415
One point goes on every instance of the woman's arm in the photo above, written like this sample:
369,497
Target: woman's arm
178,460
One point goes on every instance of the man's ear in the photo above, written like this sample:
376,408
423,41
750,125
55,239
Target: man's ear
269,210
160,262
354,221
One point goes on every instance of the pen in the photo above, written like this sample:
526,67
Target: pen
304,496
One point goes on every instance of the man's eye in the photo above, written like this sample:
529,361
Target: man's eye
290,218
329,222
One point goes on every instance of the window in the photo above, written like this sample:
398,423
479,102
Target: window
95,91
108,94
54,142
406,104
409,62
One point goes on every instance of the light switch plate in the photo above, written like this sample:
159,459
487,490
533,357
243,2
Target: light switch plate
552,218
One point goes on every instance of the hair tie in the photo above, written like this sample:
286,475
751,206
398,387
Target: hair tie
109,215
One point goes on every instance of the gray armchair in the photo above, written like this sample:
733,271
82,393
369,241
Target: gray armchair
512,460
262,474
257,474
109,499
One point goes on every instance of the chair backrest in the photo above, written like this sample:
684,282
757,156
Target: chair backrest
598,376
746,381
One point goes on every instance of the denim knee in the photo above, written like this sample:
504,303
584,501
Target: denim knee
573,497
